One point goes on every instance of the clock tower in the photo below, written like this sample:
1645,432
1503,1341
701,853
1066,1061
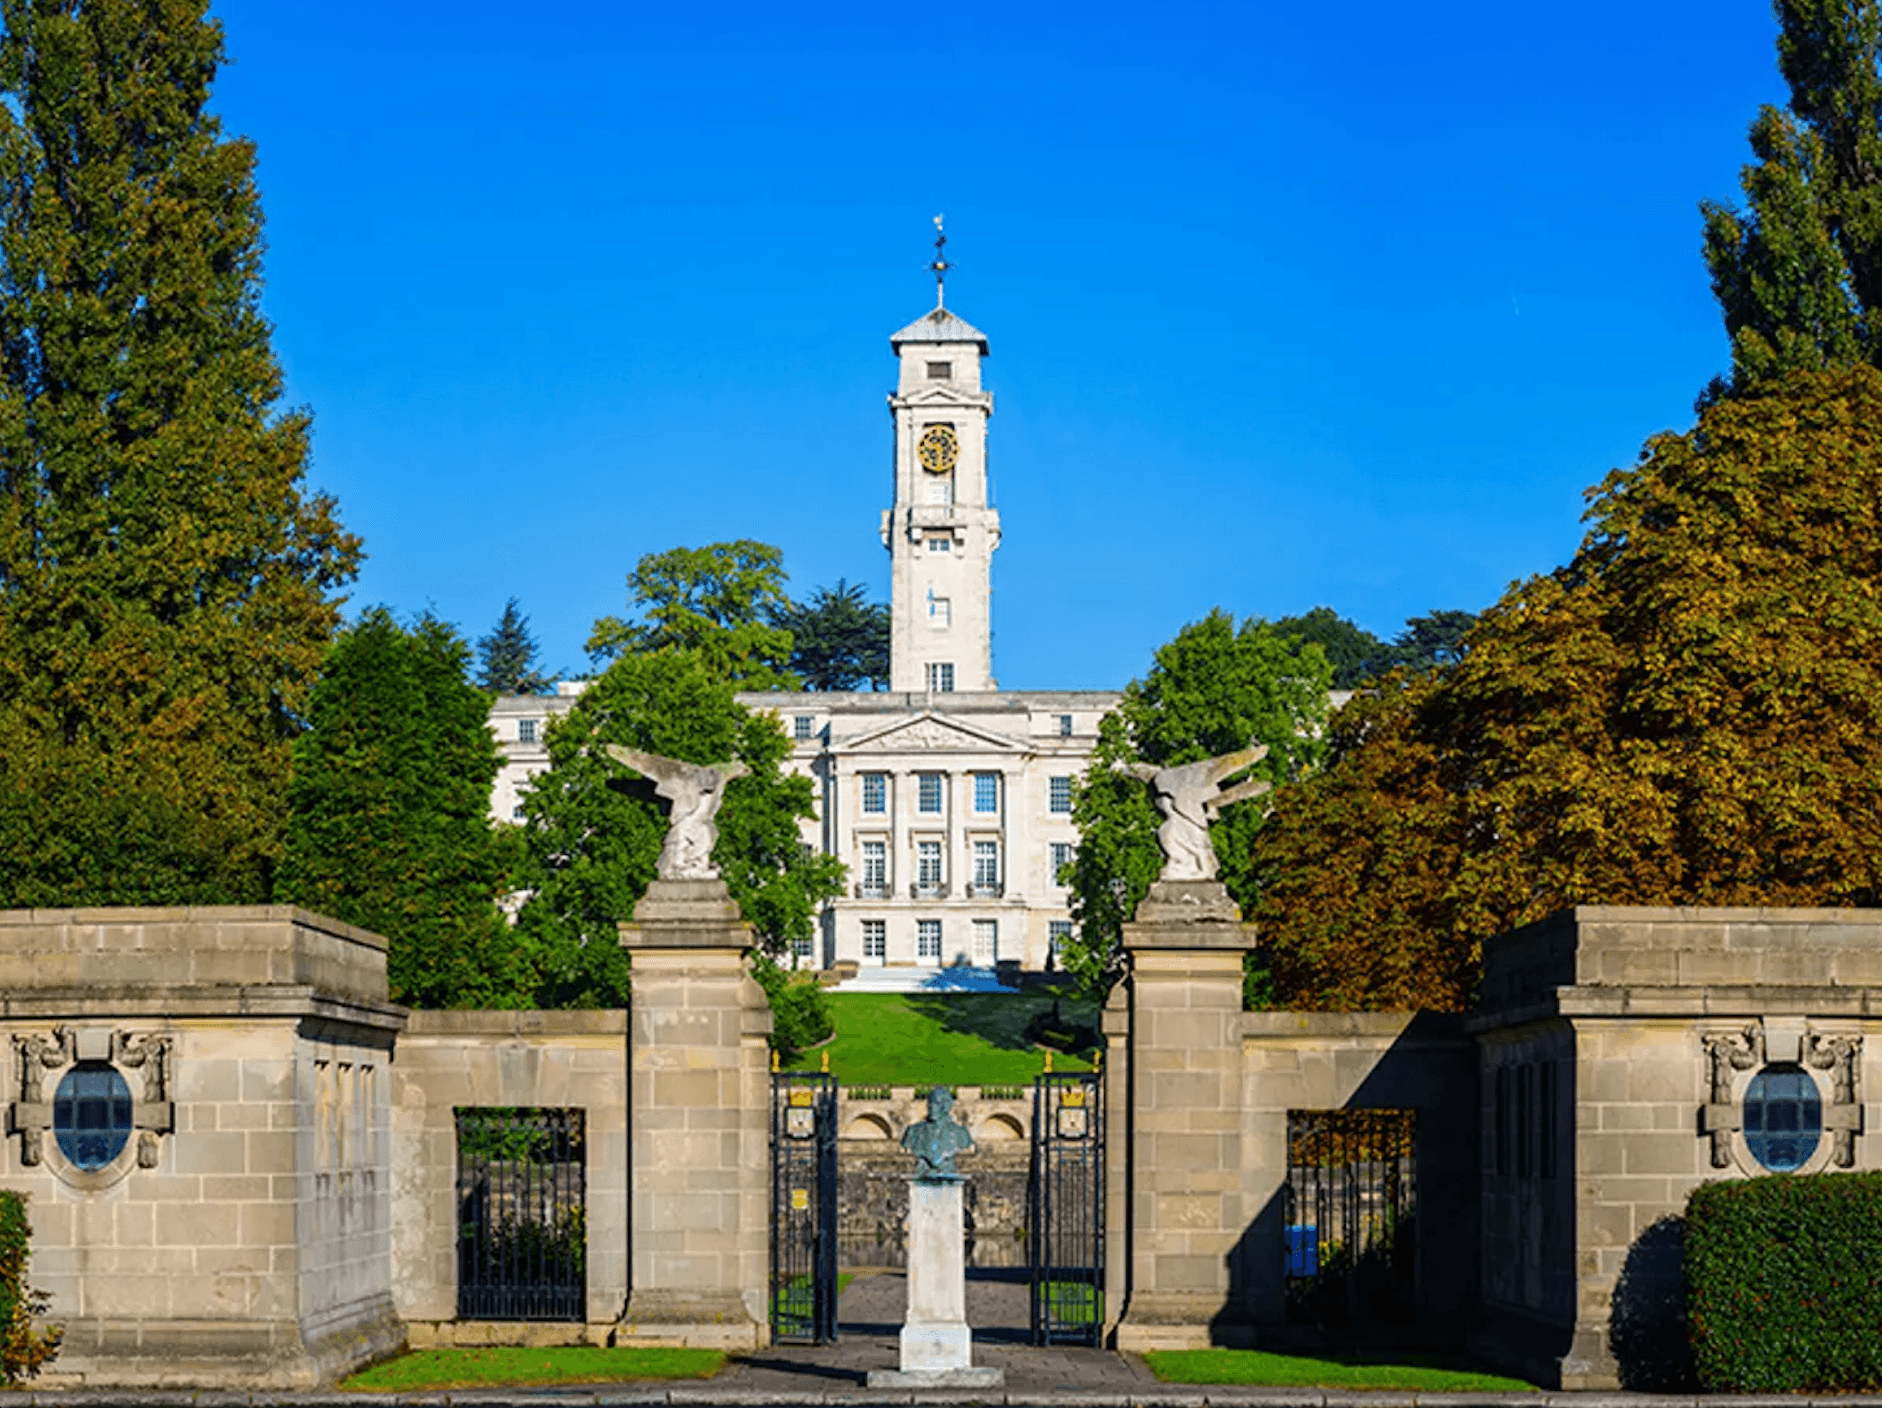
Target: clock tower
942,531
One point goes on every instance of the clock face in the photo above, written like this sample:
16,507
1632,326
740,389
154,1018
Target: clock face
937,449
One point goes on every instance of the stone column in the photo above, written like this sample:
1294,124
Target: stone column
699,1136
1183,1117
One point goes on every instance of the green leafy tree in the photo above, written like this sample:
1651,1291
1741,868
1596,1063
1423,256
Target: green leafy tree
592,835
1431,640
1354,653
390,825
1689,713
1212,690
165,580
839,639
717,601
1798,271
506,658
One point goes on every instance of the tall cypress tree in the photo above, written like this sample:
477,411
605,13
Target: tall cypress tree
165,579
1798,271
391,819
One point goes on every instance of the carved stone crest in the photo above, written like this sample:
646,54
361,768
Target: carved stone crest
1731,1054
1842,1120
29,1113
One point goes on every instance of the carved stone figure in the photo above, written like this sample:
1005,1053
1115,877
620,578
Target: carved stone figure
936,1140
1190,796
693,792
1729,1053
1838,1055
150,1053
37,1055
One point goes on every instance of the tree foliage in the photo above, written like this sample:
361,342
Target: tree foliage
1354,653
1690,712
165,580
717,601
390,824
1798,271
591,836
1211,690
506,658
839,638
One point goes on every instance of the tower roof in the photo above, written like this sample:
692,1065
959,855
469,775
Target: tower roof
940,326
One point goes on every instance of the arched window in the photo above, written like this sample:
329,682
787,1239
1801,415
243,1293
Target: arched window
1783,1117
91,1115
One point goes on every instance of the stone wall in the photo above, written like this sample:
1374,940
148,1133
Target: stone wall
241,1234
1652,1024
555,1060
1422,1062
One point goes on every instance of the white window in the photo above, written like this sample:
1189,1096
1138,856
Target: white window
801,726
1058,931
1059,794
940,545
986,864
928,865
875,940
928,940
928,793
525,730
940,677
875,869
987,793
940,612
800,946
875,793
1061,857
1065,725
986,942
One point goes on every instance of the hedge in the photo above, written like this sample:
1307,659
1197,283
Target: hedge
1784,1295
24,1348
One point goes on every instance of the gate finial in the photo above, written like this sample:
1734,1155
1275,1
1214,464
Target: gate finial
825,1067
774,1063
1048,1060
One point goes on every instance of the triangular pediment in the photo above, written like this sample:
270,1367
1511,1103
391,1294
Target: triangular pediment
945,396
929,732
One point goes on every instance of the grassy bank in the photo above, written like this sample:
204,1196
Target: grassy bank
894,1038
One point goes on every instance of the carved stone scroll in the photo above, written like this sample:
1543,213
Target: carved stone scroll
30,1113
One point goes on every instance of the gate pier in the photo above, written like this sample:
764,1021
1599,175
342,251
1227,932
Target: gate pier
698,1093
1183,1123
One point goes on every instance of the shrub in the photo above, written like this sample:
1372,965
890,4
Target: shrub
25,1349
800,1009
1783,1291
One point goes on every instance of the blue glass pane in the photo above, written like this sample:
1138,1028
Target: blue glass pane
91,1115
1783,1117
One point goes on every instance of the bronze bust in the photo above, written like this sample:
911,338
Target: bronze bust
936,1140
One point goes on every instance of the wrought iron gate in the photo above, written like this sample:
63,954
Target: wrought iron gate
1351,1204
522,1240
1065,1210
803,1207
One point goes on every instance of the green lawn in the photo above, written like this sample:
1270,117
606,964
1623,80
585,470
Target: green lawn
563,1364
895,1038
1254,1366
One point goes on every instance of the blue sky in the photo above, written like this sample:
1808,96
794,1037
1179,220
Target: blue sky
1288,304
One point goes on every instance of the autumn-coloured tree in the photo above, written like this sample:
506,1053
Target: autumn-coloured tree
1690,712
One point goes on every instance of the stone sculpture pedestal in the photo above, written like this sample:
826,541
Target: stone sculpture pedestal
937,1347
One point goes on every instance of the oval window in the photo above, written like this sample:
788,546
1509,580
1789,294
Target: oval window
1783,1117
91,1115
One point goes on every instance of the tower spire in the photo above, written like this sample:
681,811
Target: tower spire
940,265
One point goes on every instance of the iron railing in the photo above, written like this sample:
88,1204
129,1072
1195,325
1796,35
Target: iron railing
1065,1210
803,1207
522,1242
1351,1206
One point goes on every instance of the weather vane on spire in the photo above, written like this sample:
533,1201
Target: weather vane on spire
940,265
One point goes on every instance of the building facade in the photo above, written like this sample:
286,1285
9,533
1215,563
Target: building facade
949,800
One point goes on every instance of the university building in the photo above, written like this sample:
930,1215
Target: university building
948,799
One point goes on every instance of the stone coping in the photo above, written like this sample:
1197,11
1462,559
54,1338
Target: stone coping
525,1022
193,1002
703,1395
194,914
1314,1026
